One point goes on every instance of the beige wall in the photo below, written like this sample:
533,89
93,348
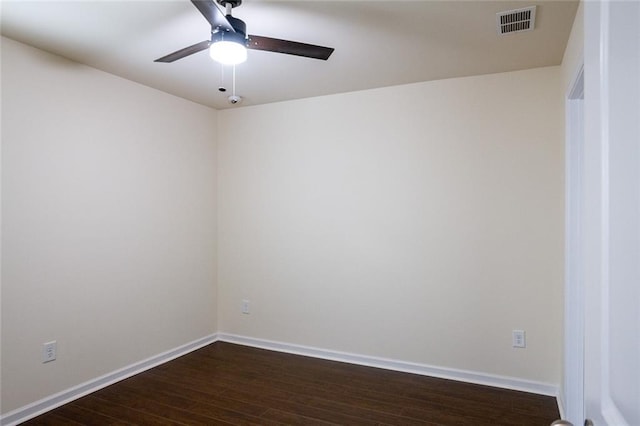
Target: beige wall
108,222
420,223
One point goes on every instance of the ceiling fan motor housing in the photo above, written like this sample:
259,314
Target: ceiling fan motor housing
221,34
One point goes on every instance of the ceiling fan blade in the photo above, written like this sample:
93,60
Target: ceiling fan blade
179,54
289,47
212,14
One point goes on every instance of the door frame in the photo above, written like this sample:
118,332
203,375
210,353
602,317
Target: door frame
608,93
573,389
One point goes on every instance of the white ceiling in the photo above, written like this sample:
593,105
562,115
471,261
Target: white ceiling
377,43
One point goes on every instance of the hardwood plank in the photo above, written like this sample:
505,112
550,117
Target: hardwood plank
359,412
293,419
88,417
121,396
51,419
169,389
110,409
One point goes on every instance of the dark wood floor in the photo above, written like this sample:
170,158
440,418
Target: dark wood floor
230,384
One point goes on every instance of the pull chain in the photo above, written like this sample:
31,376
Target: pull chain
233,99
234,80
221,88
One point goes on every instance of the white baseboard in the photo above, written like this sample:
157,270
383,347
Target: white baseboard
49,403
561,409
390,364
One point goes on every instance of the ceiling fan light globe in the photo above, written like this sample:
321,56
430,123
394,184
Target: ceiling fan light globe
228,52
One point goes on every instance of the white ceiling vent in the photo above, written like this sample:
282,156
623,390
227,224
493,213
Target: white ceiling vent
516,21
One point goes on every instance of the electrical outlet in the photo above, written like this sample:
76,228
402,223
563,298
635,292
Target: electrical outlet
518,338
49,350
245,306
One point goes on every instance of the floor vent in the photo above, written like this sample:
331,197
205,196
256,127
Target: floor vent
516,21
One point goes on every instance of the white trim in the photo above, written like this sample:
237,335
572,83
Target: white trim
576,85
49,403
396,365
573,394
605,389
609,410
561,406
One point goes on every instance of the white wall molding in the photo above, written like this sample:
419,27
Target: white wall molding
561,406
397,365
49,403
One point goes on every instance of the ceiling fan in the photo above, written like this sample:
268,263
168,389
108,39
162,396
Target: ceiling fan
229,39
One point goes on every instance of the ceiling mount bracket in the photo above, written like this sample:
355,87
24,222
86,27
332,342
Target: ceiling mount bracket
232,3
